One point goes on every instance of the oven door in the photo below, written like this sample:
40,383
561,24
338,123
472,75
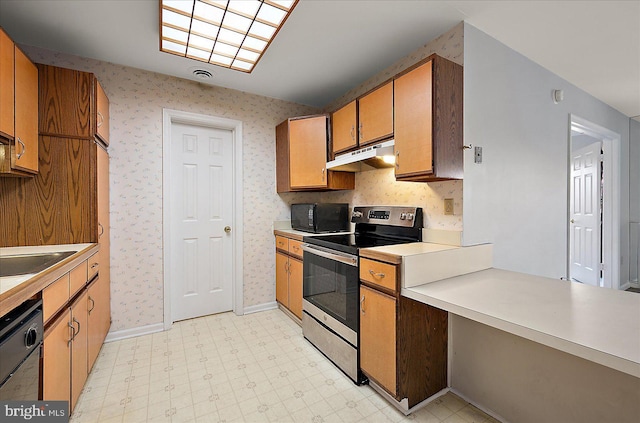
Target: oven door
331,283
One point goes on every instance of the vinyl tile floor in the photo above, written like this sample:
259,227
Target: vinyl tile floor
228,368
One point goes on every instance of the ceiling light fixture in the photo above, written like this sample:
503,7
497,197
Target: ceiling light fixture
229,33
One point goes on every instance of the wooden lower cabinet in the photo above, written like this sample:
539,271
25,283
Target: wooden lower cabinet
378,337
76,325
56,360
79,366
403,343
289,274
98,317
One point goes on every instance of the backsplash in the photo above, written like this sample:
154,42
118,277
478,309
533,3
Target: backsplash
379,187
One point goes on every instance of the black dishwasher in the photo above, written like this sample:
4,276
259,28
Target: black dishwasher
20,340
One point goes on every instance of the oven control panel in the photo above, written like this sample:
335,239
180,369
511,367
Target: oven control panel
388,215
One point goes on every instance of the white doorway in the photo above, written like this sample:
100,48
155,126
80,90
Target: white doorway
585,210
593,241
202,215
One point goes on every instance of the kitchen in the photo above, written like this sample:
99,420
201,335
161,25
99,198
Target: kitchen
137,98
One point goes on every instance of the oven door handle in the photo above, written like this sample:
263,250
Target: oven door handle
349,259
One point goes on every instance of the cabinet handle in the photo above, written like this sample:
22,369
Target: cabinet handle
101,120
94,265
296,248
93,305
323,174
362,304
353,130
75,320
73,331
286,267
101,229
376,275
24,149
398,159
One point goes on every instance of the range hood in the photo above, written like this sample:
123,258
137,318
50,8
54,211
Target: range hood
368,158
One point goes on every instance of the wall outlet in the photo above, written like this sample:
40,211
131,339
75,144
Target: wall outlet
448,206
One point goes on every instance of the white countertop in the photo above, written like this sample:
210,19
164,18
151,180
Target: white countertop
597,324
411,249
9,282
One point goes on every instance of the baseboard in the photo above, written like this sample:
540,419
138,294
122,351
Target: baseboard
625,286
478,406
260,307
133,332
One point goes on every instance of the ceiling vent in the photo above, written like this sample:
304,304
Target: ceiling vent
202,74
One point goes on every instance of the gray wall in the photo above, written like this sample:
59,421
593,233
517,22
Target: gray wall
517,198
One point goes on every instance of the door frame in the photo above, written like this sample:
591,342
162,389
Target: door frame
169,117
611,161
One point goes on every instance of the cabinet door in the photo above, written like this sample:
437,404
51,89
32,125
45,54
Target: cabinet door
99,317
25,155
375,112
104,232
378,337
308,152
295,287
7,90
413,121
56,361
343,128
282,279
102,114
79,369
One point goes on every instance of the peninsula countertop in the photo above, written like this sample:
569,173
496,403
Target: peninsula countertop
598,324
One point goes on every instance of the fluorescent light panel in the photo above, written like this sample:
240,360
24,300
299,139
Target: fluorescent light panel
229,33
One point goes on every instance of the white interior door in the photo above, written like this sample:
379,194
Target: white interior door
201,256
585,214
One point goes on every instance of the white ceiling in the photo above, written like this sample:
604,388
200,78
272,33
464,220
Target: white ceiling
327,47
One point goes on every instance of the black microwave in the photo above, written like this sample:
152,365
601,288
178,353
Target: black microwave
320,217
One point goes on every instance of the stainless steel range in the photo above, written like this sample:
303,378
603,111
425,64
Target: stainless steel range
330,318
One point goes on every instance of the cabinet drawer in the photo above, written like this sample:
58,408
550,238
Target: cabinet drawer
282,243
93,265
295,248
55,296
77,278
378,273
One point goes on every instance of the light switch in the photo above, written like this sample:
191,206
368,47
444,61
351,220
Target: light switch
477,154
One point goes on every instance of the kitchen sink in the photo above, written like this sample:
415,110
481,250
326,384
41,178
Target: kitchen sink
23,264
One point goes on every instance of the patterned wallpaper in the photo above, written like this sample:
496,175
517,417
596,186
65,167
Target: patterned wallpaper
137,98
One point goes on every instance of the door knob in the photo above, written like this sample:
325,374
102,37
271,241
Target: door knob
573,221
227,229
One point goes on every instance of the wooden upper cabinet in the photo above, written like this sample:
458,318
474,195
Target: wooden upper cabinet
18,110
25,155
72,105
344,128
102,114
428,121
7,76
308,152
375,114
301,157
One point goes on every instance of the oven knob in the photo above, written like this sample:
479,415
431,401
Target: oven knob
356,214
403,216
409,216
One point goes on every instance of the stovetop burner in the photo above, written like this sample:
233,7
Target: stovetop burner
375,226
